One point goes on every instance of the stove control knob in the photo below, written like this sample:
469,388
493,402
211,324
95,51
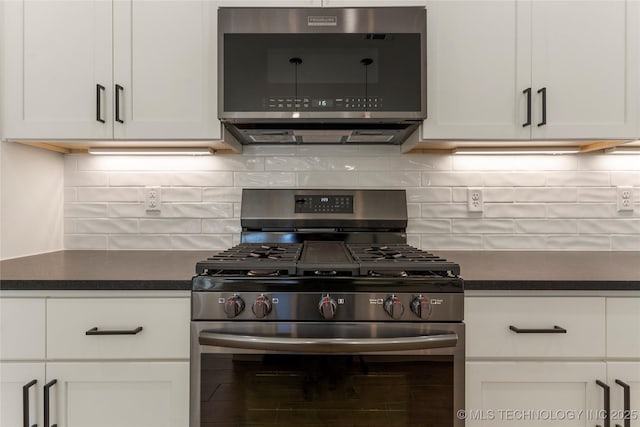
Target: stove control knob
327,307
262,307
393,307
233,306
421,307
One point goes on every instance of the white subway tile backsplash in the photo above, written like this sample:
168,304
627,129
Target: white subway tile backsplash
630,242
170,226
453,242
578,179
433,194
452,179
530,202
514,210
609,226
514,163
328,179
202,241
429,226
110,194
85,241
579,243
222,194
546,226
264,179
518,242
483,226
545,194
141,241
221,226
597,194
581,210
180,194
105,226
515,179
85,210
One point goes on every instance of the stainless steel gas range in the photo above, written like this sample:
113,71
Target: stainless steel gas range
323,315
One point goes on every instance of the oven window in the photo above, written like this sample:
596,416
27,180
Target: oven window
320,390
322,72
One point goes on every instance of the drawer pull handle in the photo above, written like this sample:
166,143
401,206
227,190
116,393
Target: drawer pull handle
95,331
555,330
47,402
25,403
607,402
627,402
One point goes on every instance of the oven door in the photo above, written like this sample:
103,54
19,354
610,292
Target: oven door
321,374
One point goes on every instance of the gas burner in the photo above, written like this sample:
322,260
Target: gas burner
272,248
263,273
389,273
375,248
390,254
266,254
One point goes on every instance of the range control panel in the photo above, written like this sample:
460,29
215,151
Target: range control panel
308,103
324,204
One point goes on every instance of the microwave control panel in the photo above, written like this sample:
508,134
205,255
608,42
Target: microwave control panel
283,103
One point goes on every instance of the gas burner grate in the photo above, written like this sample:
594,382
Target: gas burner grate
375,260
253,258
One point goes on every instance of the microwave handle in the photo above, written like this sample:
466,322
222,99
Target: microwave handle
327,345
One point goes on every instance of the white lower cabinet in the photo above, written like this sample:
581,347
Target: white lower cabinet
108,362
624,378
534,393
119,394
15,380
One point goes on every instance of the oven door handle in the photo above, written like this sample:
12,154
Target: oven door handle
327,345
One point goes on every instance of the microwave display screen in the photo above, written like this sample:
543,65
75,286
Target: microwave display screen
322,72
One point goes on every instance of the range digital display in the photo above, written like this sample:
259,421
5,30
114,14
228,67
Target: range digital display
324,204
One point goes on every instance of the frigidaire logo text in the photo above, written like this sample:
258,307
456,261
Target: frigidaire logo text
322,21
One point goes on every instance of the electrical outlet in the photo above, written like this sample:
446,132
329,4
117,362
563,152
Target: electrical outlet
624,199
475,200
152,199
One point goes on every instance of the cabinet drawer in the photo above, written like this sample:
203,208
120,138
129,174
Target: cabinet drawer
489,320
164,332
22,328
623,327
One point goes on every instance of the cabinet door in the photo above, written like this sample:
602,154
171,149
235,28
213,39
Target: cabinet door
531,393
22,328
120,394
165,69
272,3
478,65
13,378
56,53
623,327
585,54
628,373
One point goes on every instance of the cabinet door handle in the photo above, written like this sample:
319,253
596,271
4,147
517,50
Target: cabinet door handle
627,402
25,403
543,91
47,402
118,90
555,330
99,90
607,402
95,331
527,92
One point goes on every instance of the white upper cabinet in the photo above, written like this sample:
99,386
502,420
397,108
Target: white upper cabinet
585,54
578,60
68,61
56,55
272,3
478,64
165,63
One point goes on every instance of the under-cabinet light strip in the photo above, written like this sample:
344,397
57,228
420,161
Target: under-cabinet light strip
516,150
180,151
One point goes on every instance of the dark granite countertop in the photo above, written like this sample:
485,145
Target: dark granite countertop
172,270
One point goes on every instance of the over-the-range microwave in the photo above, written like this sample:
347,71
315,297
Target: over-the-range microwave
322,75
